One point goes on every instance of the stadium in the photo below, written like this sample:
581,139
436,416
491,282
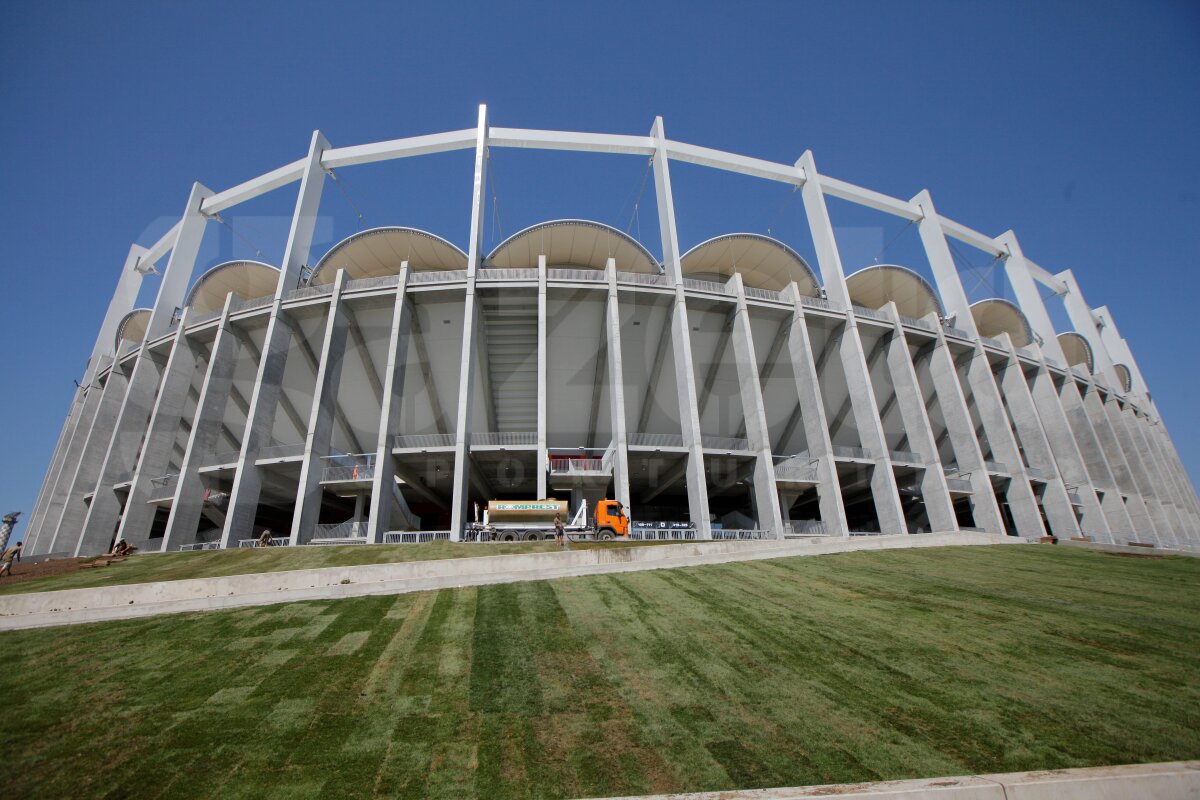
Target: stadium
384,389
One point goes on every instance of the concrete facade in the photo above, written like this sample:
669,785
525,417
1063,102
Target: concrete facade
385,393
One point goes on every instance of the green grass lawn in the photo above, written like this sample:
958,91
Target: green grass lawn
849,667
153,567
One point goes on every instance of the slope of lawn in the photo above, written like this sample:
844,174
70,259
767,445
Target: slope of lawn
849,667
154,567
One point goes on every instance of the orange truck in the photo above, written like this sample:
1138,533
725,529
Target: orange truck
533,520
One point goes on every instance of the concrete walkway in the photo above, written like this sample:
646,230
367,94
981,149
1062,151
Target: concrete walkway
74,606
1175,780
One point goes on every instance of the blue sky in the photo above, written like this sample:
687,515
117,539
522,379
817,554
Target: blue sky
1073,125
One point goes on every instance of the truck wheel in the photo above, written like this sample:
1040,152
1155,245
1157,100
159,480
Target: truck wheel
605,535
508,537
532,536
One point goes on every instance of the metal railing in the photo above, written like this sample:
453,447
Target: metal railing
415,537
765,294
958,484
800,471
655,440
820,302
220,457
906,456
724,442
806,527
424,440
870,313
184,548
913,322
277,450
341,530
243,303
507,274
740,534
438,276
575,274
705,286
957,333
200,319
562,465
662,534
163,486
643,279
381,282
503,438
309,291
256,543
842,451
349,467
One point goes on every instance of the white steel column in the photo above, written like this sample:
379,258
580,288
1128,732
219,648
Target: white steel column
385,495
685,375
138,517
187,504
268,384
1029,298
910,403
1094,459
319,436
1140,471
978,372
129,430
812,416
850,349
766,493
1066,453
1176,500
66,527
1135,505
616,389
543,463
961,430
104,351
466,369
1056,503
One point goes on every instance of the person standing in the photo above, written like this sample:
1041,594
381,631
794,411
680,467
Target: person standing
558,529
266,539
7,559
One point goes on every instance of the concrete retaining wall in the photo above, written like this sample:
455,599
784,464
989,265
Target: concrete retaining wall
1176,780
39,609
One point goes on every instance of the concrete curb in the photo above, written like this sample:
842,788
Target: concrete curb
1124,548
1174,780
74,606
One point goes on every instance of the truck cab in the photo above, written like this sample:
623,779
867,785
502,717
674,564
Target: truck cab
611,520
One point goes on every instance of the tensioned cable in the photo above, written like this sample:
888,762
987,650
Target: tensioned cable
892,241
497,224
982,275
362,221
257,250
782,207
637,202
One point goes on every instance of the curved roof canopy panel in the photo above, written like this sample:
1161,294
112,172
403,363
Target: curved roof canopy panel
132,327
573,243
995,316
874,287
1125,375
762,262
246,279
1076,349
380,251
